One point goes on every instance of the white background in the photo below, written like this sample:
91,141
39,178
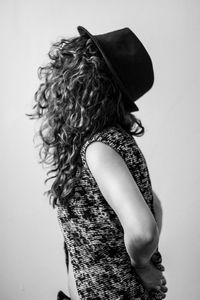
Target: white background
32,257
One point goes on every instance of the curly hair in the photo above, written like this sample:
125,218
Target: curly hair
77,98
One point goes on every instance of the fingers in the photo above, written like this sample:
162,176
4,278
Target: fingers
157,291
162,288
161,267
163,281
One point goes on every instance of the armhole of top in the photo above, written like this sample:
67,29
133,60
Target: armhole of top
110,138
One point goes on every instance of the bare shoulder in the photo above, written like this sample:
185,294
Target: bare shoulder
98,152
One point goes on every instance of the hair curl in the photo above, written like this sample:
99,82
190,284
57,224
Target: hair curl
76,99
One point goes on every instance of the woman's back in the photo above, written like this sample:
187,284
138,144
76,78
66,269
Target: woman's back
93,233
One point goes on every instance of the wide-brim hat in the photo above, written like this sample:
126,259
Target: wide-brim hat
128,61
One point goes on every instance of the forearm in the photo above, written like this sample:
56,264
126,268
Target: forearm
158,211
140,250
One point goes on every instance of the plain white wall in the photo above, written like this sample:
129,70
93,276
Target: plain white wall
32,257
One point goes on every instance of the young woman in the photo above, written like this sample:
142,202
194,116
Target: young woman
102,190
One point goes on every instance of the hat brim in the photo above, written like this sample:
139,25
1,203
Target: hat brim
130,104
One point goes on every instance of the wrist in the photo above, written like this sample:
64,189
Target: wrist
141,265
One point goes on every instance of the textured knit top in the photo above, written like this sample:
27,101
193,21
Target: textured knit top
93,234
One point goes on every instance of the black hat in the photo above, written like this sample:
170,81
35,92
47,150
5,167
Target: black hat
127,60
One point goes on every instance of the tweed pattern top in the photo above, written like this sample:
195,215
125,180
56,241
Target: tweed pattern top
93,234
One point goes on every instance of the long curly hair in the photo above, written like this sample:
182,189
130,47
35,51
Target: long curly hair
77,98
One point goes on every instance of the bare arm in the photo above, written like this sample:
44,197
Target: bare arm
158,211
122,193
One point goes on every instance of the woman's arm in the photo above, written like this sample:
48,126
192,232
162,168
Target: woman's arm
158,211
140,250
122,193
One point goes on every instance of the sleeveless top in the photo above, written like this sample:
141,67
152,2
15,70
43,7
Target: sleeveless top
93,234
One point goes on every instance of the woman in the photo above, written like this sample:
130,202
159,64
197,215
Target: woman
101,188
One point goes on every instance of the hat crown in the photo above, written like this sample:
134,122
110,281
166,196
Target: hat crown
128,61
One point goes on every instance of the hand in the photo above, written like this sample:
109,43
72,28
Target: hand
152,278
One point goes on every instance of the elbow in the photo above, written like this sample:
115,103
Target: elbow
143,237
141,246
152,235
147,237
